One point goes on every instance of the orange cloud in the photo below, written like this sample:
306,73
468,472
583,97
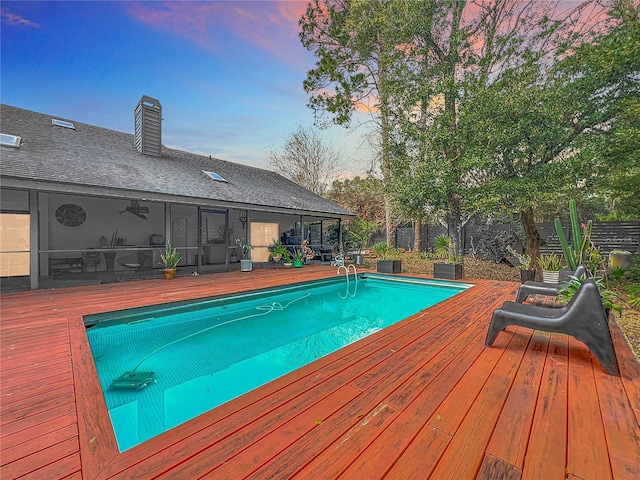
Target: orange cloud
271,26
16,20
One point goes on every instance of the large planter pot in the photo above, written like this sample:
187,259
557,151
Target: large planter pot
550,276
389,266
246,265
169,273
527,275
618,259
450,271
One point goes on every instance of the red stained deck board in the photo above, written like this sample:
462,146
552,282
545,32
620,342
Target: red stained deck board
493,468
40,364
511,435
394,369
36,383
629,369
448,416
36,404
462,458
335,458
38,419
396,446
249,459
586,444
546,453
420,457
228,439
54,435
621,428
61,458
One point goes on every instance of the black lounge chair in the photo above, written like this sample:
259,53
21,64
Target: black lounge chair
583,318
548,289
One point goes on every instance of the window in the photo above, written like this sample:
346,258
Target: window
14,244
214,176
10,140
262,235
62,123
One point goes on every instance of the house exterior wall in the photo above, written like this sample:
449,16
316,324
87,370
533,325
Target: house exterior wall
79,239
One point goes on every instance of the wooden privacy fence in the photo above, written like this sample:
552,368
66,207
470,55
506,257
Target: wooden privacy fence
483,240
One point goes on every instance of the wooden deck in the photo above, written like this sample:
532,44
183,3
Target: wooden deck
421,399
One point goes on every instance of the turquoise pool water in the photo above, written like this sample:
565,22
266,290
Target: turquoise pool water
205,353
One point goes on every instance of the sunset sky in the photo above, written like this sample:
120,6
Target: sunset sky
228,73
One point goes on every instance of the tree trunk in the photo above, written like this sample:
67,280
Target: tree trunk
385,161
417,244
532,237
455,225
452,151
388,215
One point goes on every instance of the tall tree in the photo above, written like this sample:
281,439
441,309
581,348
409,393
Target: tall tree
535,129
364,196
478,75
355,46
306,159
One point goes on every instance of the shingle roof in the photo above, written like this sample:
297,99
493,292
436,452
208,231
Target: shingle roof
98,157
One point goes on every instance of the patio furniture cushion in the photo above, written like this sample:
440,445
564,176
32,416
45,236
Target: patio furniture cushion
583,318
548,289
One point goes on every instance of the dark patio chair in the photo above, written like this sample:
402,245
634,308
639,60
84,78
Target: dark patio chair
547,289
583,318
134,263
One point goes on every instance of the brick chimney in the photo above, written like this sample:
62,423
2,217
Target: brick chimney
148,132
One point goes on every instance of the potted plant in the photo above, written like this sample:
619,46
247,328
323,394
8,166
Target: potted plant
550,265
277,252
450,268
524,264
381,249
170,259
246,265
298,258
608,297
360,232
308,252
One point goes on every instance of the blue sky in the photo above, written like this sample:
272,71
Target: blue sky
228,73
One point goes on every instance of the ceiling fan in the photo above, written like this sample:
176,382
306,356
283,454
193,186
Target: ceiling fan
136,209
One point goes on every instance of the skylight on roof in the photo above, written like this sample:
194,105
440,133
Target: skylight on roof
10,140
62,123
214,176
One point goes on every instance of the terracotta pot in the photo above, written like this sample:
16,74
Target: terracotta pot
169,273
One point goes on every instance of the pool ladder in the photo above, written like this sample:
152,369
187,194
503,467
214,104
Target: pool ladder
347,269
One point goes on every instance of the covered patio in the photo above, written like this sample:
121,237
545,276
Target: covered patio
421,399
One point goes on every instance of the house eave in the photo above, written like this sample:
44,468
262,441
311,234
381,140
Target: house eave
92,190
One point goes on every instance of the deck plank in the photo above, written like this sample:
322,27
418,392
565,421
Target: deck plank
400,446
61,458
493,468
621,428
515,410
511,435
586,445
463,458
546,452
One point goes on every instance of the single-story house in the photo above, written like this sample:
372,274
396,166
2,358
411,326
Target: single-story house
81,204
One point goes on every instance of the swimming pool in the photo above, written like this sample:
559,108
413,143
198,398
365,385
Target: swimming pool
207,352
